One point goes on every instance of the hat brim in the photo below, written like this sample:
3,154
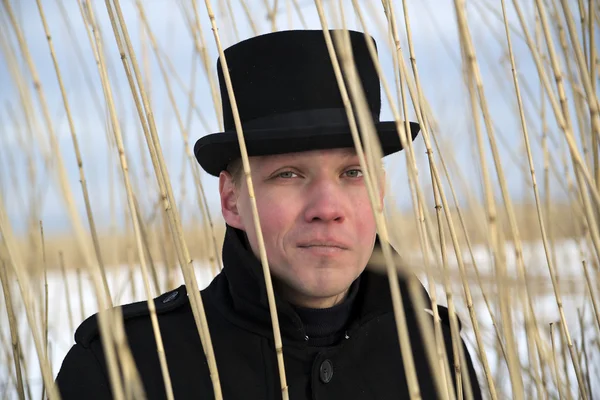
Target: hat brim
215,151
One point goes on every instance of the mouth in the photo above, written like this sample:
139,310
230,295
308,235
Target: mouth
323,245
321,250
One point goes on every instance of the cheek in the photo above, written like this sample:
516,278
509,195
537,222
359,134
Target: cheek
364,217
275,216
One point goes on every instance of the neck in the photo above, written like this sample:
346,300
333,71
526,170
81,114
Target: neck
300,300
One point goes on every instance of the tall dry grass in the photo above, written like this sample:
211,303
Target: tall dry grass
487,210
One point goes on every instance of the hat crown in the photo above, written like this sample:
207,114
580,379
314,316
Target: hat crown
290,73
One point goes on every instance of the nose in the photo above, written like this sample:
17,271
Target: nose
325,202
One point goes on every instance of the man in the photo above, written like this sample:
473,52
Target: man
336,317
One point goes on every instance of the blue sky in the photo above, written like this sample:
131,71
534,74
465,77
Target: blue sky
434,30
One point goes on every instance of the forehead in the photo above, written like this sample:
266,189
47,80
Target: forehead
340,154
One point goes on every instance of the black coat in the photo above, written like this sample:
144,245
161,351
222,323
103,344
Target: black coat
364,364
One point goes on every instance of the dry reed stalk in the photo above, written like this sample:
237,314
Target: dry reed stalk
562,117
200,43
146,249
580,315
429,237
373,179
209,230
131,268
592,66
148,182
111,192
31,121
449,295
167,245
80,59
548,167
79,159
582,256
60,168
459,260
584,74
590,215
588,281
135,220
80,292
236,33
299,14
476,270
517,241
582,19
182,86
10,378
249,17
61,260
45,305
470,245
424,134
546,153
495,242
418,201
545,241
10,162
12,324
578,94
14,259
271,14
255,216
133,383
166,190
565,365
215,256
466,287
443,385
104,316
201,198
422,223
83,10
543,371
555,363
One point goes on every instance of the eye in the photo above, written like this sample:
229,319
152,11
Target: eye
286,174
354,173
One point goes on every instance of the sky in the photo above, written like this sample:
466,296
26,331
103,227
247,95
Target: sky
435,38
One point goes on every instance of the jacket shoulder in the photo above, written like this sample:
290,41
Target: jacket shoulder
444,315
167,302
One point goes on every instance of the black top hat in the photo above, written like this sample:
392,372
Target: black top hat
289,100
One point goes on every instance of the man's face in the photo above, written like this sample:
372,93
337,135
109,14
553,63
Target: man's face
317,223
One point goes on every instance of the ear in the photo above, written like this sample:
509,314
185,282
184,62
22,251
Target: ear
229,201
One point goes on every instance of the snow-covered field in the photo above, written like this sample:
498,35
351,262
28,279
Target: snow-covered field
122,284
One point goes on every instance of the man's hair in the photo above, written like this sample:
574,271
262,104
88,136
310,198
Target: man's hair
236,169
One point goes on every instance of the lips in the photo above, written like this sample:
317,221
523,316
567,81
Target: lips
323,243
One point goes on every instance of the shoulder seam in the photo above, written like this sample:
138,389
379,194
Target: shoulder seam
171,300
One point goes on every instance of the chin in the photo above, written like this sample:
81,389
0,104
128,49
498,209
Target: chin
328,289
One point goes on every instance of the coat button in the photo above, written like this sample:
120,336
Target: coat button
326,371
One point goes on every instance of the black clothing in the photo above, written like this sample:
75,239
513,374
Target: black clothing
359,358
325,326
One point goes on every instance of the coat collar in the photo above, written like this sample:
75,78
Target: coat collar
242,298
